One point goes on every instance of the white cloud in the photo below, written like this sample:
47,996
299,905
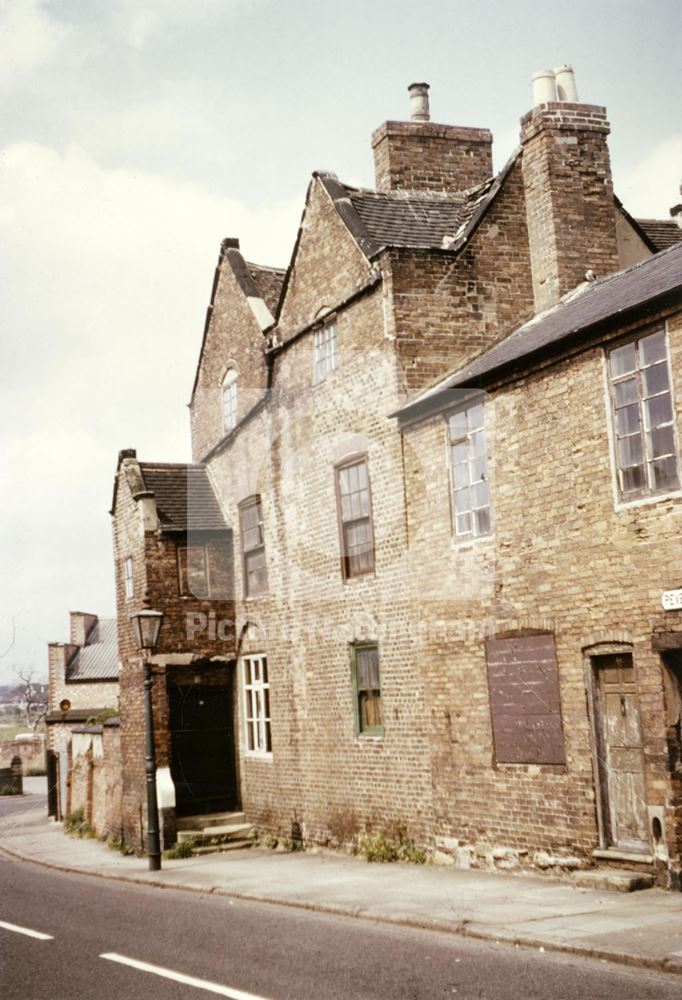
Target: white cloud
29,37
107,274
653,185
145,21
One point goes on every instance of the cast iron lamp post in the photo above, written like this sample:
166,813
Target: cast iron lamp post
146,626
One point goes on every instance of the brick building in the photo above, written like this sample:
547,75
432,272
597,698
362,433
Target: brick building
173,549
359,613
82,683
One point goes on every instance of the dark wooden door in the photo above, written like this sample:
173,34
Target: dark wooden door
202,748
621,761
51,769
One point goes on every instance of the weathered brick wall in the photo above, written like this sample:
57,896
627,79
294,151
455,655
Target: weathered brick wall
129,541
447,309
569,197
156,574
325,270
564,559
31,752
233,340
81,776
94,695
433,767
321,774
95,778
425,156
107,784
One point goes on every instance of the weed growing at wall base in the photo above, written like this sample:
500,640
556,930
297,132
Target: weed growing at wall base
76,825
391,845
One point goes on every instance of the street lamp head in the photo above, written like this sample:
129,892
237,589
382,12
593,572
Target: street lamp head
146,626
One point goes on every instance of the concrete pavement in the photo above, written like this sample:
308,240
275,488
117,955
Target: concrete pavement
643,928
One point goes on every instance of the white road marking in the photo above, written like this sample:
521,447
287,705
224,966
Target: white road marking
179,977
27,931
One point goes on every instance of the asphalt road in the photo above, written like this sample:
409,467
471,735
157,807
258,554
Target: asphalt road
100,938
266,951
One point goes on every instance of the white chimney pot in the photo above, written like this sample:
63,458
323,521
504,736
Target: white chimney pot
544,87
565,84
419,102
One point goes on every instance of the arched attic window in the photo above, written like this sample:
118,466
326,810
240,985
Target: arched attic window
230,399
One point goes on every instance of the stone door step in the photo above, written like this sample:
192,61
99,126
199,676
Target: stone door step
629,857
231,831
613,880
231,845
209,819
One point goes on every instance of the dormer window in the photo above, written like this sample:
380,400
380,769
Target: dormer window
230,400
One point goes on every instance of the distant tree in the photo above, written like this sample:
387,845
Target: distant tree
32,696
10,645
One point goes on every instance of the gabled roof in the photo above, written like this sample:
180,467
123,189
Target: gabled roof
97,660
655,279
256,281
412,219
269,281
185,500
663,233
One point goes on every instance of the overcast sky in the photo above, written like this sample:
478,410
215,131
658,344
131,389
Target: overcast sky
136,134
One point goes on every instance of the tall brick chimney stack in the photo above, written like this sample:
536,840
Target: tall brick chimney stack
568,187
81,623
419,155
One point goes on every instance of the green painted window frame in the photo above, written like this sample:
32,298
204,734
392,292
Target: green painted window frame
361,730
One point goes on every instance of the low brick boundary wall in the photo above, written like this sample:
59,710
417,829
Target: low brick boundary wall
11,781
96,776
30,751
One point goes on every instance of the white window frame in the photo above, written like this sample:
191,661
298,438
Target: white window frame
257,719
462,437
325,353
128,578
647,493
229,399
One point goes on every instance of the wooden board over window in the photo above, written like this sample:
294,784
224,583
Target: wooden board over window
524,700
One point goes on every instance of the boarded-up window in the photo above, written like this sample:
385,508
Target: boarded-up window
524,700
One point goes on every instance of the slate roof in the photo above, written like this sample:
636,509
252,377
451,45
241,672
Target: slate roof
269,281
392,219
581,310
185,500
663,233
98,659
412,219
